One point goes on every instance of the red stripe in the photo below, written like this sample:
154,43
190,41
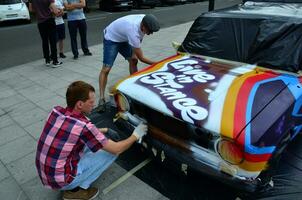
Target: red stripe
257,157
241,105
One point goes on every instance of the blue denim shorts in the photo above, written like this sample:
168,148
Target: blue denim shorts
111,49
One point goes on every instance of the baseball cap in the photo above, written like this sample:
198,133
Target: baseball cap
151,23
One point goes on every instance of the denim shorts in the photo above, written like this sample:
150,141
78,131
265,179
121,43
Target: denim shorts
111,49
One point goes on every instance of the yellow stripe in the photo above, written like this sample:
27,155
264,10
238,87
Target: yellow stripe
227,121
253,166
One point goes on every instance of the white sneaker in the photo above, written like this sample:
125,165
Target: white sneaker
56,64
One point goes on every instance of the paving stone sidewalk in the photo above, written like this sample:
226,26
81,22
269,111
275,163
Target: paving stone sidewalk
27,94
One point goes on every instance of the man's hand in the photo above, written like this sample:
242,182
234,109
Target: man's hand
140,131
103,130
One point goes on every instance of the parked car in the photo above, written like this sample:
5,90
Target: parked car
111,5
227,119
139,3
13,10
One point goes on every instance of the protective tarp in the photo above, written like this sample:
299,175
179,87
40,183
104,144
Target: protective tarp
167,178
268,34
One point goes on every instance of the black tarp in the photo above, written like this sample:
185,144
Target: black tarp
269,34
167,178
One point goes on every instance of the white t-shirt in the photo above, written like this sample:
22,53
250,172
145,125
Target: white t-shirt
59,4
126,29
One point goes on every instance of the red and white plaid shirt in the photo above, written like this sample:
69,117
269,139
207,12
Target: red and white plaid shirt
61,145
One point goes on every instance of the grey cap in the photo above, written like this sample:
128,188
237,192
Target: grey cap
151,23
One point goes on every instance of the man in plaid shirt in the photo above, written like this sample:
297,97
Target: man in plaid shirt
72,152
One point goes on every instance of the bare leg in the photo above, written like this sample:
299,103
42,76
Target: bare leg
61,45
103,81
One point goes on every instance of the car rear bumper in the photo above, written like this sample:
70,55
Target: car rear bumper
199,159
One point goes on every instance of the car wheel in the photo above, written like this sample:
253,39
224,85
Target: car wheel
136,4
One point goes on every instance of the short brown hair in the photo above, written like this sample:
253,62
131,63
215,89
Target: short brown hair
78,91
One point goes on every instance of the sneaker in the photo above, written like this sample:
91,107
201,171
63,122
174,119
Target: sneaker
75,57
101,106
81,194
62,55
56,64
88,53
47,63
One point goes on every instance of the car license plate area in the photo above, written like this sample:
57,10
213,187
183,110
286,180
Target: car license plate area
11,15
124,4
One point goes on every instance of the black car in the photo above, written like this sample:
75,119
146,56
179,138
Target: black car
111,5
140,3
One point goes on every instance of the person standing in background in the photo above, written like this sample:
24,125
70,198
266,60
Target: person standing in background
60,29
77,20
45,9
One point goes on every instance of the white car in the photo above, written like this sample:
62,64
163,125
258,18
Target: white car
13,10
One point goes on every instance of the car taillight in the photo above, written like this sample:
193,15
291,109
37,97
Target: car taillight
230,151
122,102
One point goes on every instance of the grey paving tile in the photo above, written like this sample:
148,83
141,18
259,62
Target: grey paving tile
11,100
5,120
36,191
23,169
3,172
36,93
49,103
7,74
134,189
6,92
10,133
19,82
10,190
113,173
20,108
53,83
35,129
30,117
17,149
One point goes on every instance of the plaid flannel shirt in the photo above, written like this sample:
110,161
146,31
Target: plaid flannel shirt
61,145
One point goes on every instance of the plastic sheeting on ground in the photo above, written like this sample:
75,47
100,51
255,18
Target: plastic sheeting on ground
269,34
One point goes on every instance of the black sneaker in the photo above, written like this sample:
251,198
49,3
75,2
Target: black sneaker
56,64
88,53
75,57
62,55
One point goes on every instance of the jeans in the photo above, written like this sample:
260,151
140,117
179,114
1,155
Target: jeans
90,167
111,49
73,27
47,30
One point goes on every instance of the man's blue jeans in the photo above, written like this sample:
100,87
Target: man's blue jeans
90,167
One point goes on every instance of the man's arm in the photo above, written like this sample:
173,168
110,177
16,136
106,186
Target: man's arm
55,10
119,147
139,54
73,6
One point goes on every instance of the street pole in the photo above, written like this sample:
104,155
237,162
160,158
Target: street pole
211,5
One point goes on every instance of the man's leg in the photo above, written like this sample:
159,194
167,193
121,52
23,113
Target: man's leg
126,50
90,167
72,27
103,81
83,36
44,36
53,40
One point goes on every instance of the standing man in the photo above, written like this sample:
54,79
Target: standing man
72,152
124,36
76,20
45,9
60,29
